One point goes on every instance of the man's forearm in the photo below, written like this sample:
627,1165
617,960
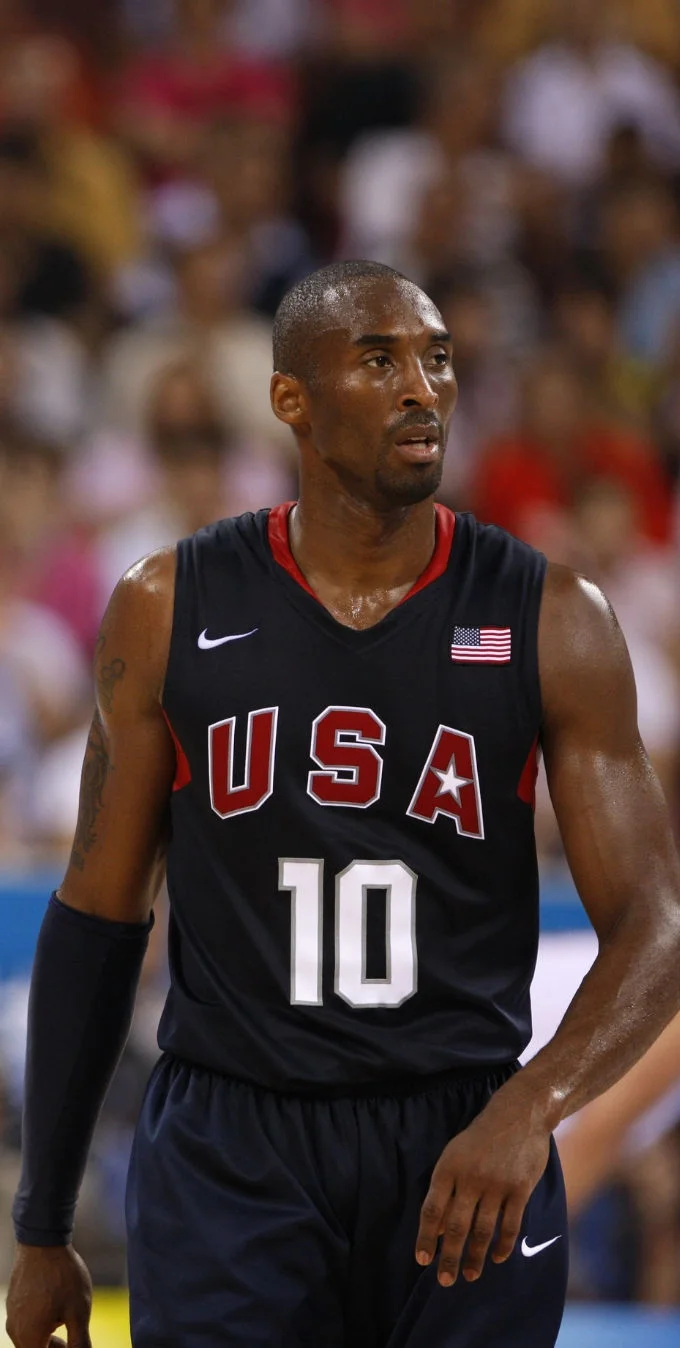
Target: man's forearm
82,995
630,994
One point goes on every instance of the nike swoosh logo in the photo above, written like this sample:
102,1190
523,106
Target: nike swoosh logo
530,1250
207,643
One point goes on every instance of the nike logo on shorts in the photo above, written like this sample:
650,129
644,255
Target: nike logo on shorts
206,643
530,1250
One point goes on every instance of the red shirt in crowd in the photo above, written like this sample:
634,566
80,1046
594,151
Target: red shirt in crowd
165,82
517,477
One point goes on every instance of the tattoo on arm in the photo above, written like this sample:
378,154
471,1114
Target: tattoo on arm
96,768
107,676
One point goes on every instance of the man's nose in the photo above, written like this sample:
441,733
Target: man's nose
416,389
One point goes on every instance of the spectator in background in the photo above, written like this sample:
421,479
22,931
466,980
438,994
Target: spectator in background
211,324
49,305
17,761
538,471
437,28
196,471
363,30
626,164
274,29
487,379
254,28
605,1141
248,167
437,244
38,47
44,688
622,388
241,185
388,175
544,245
50,277
642,583
509,29
562,102
168,96
641,254
90,193
666,417
53,562
361,76
45,371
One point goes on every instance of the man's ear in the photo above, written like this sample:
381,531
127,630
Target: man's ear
288,400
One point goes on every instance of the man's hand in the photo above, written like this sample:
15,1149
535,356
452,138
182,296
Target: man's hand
484,1176
49,1287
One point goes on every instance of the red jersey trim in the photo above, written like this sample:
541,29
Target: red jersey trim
445,524
182,769
277,527
526,787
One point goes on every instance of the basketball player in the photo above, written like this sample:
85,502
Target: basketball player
323,720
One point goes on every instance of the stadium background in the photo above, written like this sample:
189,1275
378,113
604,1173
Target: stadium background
167,169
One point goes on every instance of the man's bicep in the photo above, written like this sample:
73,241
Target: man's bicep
116,860
607,799
119,845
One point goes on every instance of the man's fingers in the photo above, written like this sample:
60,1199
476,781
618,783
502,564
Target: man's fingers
78,1335
511,1225
459,1219
432,1215
481,1235
16,1335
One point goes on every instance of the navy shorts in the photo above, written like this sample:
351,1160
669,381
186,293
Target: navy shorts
278,1221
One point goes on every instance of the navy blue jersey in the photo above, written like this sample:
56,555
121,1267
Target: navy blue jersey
352,871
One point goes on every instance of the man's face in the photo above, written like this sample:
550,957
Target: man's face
383,392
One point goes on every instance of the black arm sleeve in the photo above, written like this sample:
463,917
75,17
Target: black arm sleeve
83,987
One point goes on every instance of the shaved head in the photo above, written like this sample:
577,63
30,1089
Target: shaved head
308,309
364,377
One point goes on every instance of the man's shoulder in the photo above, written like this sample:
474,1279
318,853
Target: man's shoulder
570,597
141,606
152,577
578,631
587,682
136,630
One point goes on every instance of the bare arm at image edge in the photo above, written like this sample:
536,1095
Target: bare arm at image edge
117,859
618,842
97,926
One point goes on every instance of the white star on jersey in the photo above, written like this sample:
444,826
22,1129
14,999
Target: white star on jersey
450,783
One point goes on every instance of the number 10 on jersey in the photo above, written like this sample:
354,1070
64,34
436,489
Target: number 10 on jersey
304,880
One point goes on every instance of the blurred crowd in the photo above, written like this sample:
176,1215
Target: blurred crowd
169,168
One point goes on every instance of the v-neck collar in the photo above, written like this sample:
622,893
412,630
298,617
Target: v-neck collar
279,543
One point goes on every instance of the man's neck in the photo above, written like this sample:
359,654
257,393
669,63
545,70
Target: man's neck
359,561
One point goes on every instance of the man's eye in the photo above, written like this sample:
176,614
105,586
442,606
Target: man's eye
440,357
381,361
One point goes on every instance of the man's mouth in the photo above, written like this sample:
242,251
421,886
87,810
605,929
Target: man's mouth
420,444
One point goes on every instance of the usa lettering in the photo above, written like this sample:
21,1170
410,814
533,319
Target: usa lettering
348,768
258,774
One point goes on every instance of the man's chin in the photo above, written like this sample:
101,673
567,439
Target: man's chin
410,487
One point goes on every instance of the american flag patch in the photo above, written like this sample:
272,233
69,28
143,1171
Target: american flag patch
481,645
